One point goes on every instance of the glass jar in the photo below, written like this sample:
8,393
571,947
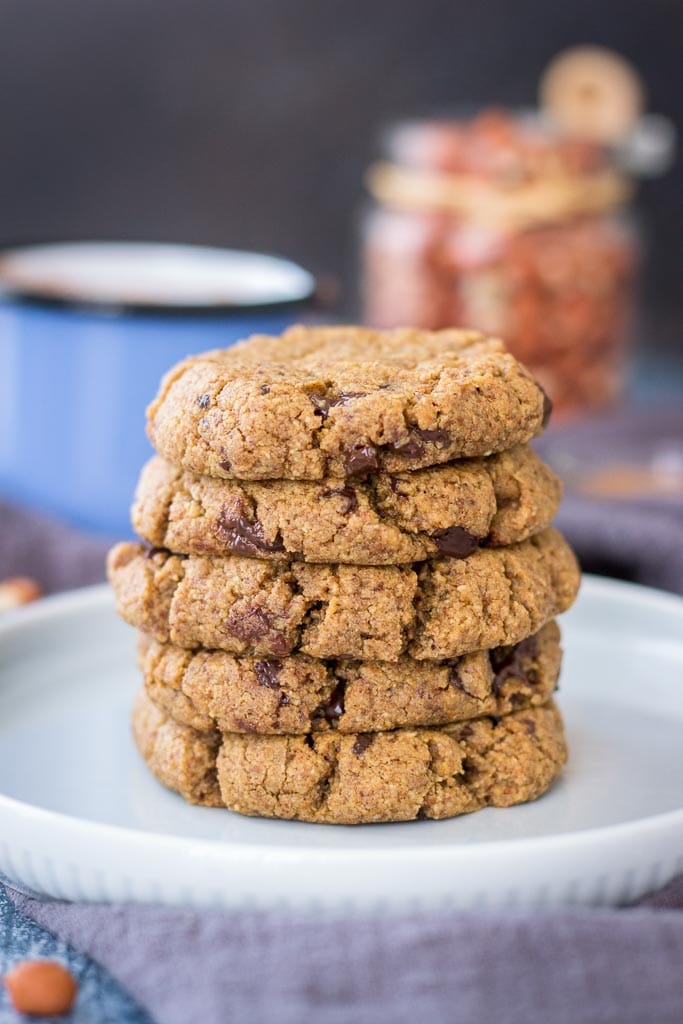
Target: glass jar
501,224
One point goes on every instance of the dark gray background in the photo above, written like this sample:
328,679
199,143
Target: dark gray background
249,123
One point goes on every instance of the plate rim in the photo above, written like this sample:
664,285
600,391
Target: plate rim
98,595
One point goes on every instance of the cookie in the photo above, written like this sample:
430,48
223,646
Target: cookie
356,778
384,520
438,610
181,758
210,690
344,402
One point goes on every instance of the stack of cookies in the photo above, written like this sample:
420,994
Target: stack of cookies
347,594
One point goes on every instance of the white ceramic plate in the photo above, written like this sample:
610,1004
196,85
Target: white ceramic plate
81,818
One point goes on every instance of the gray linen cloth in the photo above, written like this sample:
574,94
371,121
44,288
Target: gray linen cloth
594,966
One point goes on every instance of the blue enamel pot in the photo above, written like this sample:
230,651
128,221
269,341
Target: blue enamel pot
86,332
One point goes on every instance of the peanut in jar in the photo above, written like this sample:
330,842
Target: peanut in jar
501,224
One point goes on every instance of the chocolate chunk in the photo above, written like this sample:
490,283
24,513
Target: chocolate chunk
530,726
363,741
547,408
465,732
265,389
348,493
204,401
361,460
280,645
437,436
456,542
321,404
284,700
413,448
454,674
508,662
395,484
333,707
255,624
241,533
308,740
251,624
415,445
267,673
244,725
226,465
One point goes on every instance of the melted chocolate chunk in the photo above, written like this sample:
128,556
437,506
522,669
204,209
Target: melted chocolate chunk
412,448
547,408
454,674
508,662
226,465
204,401
267,673
415,445
349,493
363,741
361,460
255,624
437,436
333,707
456,542
241,533
280,645
323,404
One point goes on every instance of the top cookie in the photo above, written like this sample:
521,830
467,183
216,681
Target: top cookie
344,402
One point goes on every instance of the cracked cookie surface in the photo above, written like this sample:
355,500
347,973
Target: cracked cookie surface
210,690
387,519
358,778
438,610
344,402
181,758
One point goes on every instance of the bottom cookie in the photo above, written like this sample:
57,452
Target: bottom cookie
359,778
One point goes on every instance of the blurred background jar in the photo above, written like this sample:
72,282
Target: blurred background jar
504,223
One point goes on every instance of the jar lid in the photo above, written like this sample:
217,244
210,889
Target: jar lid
152,276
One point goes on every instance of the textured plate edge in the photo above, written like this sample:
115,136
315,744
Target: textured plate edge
226,858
